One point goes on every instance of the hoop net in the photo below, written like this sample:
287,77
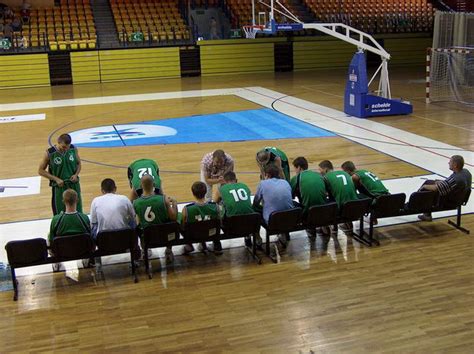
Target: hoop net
252,30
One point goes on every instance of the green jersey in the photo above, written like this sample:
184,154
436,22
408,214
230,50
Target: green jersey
142,167
62,164
310,189
371,183
65,224
236,199
275,152
200,212
341,187
151,210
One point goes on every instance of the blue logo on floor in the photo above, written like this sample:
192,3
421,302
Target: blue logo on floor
258,124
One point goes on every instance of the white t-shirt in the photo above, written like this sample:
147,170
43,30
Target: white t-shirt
112,212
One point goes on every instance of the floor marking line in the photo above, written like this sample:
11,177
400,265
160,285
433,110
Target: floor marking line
354,125
119,135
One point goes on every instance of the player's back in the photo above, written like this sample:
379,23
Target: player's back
196,212
141,167
371,183
311,189
236,199
151,210
341,187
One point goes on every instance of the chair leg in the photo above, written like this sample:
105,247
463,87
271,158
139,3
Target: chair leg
15,284
134,271
253,251
147,263
457,224
267,245
360,236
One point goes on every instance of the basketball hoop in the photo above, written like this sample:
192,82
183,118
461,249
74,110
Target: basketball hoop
252,30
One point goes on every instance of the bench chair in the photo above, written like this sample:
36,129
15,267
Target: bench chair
242,226
157,236
281,222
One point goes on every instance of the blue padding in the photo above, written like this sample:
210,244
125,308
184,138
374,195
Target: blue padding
257,124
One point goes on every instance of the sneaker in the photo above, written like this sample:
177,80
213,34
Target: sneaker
217,248
367,220
202,247
258,241
187,249
169,256
425,217
88,263
56,267
282,240
346,227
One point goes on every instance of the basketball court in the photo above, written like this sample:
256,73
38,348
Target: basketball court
326,295
320,297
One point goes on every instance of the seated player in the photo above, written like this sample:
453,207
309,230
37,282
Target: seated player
68,222
200,210
137,170
273,155
308,187
154,209
365,181
235,198
453,189
339,186
275,195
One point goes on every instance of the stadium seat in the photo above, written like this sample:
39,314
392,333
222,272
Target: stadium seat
116,242
282,222
202,231
242,226
155,236
321,215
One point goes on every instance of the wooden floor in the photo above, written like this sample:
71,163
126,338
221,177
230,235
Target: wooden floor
412,294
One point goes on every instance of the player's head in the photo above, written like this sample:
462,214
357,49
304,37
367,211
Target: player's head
456,163
230,177
272,171
263,157
108,186
199,190
148,183
218,158
348,167
325,166
64,141
300,164
70,198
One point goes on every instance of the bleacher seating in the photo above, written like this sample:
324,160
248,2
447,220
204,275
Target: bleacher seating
67,26
159,21
372,16
376,16
241,12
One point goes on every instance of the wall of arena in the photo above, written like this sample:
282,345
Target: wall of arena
212,58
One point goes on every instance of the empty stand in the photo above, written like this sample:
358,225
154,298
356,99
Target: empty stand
376,16
70,25
158,21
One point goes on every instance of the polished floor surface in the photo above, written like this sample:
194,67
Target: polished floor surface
411,294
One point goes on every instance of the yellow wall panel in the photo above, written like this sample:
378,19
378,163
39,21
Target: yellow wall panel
129,64
407,50
85,67
24,70
237,58
309,55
